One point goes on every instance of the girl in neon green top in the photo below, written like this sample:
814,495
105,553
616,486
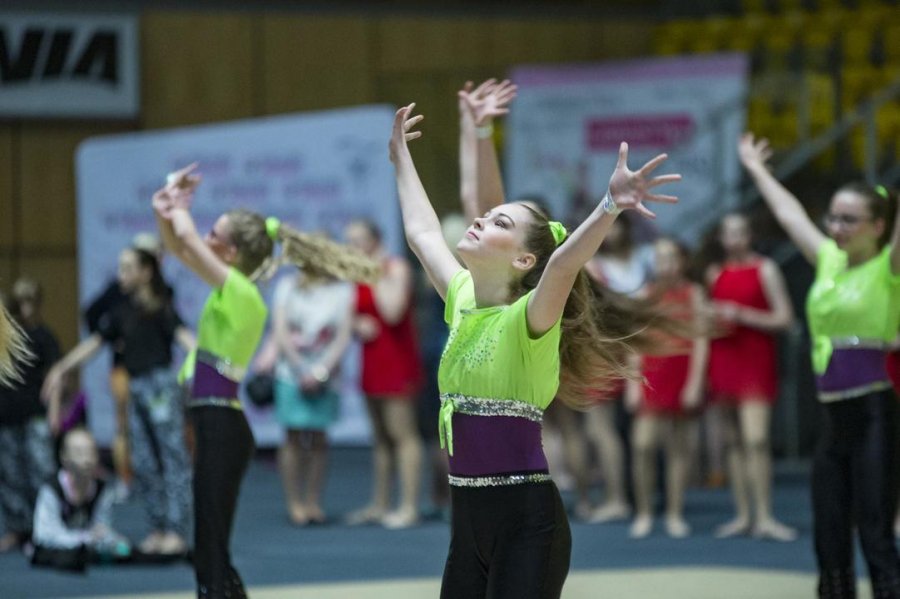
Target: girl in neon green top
236,251
853,310
522,317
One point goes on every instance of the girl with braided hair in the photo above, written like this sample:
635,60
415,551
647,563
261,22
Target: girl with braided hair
237,251
525,322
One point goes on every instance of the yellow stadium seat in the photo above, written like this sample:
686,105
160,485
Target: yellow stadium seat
856,45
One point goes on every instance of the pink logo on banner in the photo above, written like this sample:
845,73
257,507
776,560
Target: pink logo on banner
640,132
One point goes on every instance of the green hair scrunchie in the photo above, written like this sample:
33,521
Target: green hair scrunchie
882,191
558,230
272,227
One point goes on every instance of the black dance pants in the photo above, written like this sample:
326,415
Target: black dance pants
507,542
223,449
854,484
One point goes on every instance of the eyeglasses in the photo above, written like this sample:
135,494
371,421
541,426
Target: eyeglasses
843,220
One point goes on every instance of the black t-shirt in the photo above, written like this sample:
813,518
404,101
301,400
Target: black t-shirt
22,401
101,306
143,338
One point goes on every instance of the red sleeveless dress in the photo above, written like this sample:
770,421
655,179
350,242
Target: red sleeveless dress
665,376
391,365
742,364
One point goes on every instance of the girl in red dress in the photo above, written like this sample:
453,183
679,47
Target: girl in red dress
750,304
391,377
668,399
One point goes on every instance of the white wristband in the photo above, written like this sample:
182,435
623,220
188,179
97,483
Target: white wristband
485,131
608,204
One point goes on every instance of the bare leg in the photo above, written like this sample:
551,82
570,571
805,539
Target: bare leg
574,444
601,429
289,465
714,437
400,422
678,463
644,439
382,467
755,416
118,385
316,452
737,475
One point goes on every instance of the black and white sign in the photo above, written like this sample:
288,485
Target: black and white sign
68,65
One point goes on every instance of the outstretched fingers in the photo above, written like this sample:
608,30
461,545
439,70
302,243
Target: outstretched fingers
622,162
651,165
662,180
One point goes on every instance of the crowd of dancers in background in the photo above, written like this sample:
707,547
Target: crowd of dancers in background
672,344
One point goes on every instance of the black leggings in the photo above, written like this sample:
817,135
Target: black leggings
855,483
224,446
511,541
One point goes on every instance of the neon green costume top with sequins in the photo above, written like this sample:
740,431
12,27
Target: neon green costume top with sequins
861,302
490,353
231,324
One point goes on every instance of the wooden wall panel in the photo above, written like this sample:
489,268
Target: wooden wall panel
59,277
407,44
47,184
7,213
198,68
7,274
316,62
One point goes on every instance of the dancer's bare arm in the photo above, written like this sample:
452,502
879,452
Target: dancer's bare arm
629,190
483,104
178,231
784,205
420,223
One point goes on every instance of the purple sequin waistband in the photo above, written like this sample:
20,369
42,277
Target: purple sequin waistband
495,444
852,372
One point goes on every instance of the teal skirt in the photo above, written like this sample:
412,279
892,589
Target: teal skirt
297,410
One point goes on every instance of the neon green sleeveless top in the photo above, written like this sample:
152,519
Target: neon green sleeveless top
863,301
231,324
490,353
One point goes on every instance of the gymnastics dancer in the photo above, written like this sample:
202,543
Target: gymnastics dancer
853,310
236,251
508,347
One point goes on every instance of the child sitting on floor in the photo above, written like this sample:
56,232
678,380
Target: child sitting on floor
73,516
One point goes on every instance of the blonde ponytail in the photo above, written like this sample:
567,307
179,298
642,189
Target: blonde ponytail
13,348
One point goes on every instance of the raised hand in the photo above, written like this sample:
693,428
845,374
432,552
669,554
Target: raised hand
489,100
630,189
754,152
463,106
185,179
401,133
178,191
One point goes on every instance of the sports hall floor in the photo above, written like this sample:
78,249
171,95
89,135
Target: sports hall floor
334,561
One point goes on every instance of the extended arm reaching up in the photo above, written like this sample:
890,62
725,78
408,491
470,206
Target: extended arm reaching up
420,223
480,172
784,205
178,231
628,190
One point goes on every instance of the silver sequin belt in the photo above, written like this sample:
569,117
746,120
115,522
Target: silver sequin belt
503,480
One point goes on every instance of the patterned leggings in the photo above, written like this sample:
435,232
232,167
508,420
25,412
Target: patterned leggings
161,465
26,462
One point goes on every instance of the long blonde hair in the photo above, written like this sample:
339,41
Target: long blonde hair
313,253
13,348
